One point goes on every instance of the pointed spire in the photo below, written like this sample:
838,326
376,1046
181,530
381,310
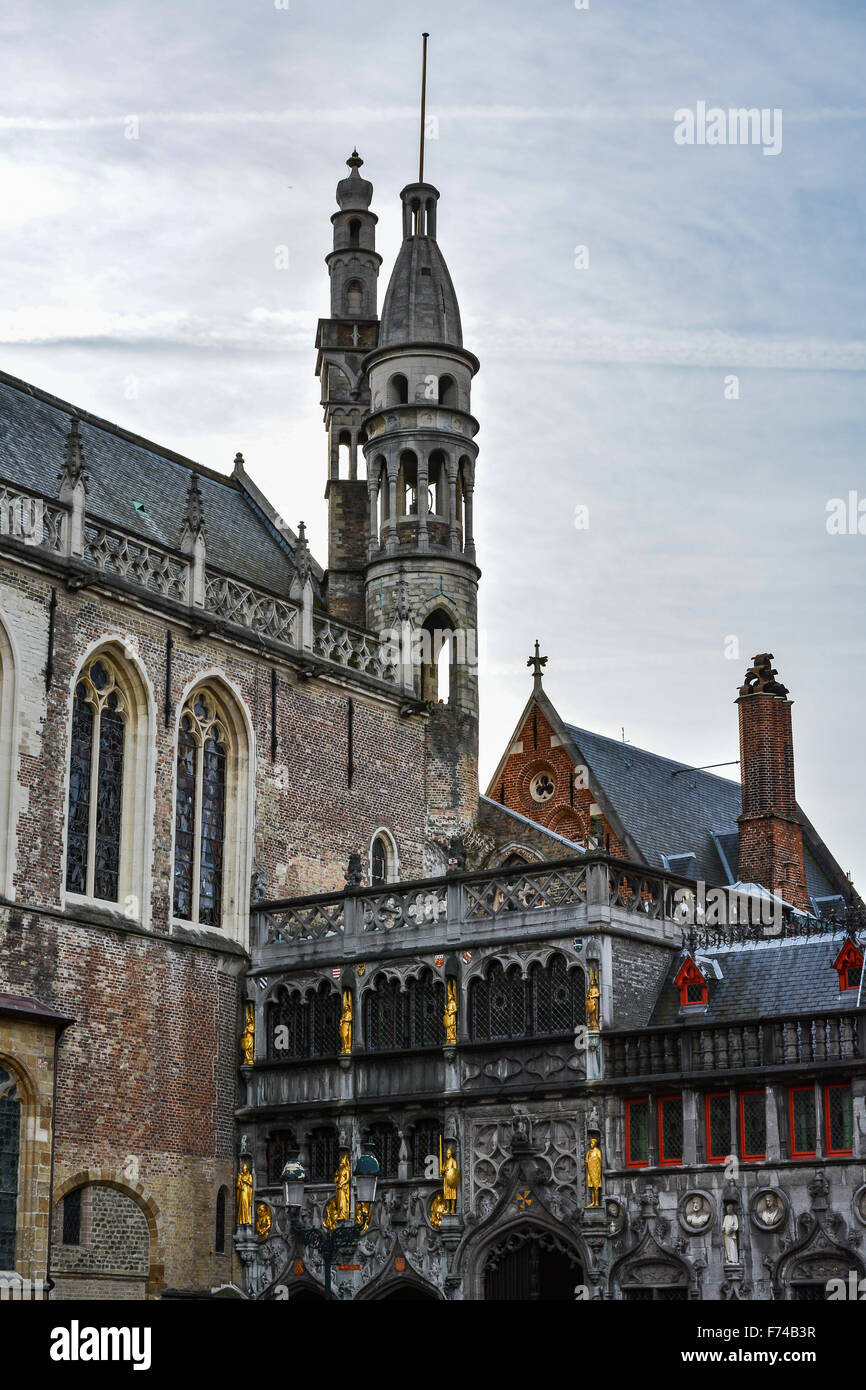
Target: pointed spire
302,555
194,506
72,471
537,662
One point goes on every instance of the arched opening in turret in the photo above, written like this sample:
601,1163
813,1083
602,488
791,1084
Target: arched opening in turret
354,298
344,454
407,484
437,483
447,391
430,207
437,683
379,499
355,232
398,390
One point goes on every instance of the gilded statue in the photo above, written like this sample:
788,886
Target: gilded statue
437,1209
339,1207
263,1220
346,1023
248,1036
449,1018
592,1163
450,1181
593,994
244,1190
362,1215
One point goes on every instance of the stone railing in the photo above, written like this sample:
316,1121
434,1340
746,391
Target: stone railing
354,649
31,519
113,552
239,603
690,1048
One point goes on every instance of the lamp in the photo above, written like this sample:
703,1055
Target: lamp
294,1177
366,1173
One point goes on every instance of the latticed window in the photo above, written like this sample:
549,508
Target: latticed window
839,1119
307,1026
425,1144
670,1129
386,1147
99,714
386,1016
200,813
10,1137
804,1130
425,1008
637,1122
753,1126
323,1155
279,1145
504,1005
718,1116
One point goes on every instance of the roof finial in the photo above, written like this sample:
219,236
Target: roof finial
194,506
425,37
302,555
537,662
73,458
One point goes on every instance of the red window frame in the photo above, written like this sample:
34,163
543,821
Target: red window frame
708,1128
849,961
745,1157
629,1161
664,1161
792,1129
688,976
831,1152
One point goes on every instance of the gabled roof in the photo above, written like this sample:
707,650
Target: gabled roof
123,469
762,979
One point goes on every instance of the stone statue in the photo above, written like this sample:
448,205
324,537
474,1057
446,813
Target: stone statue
244,1191
346,1023
339,1207
437,1209
449,1018
730,1228
248,1036
593,994
263,1221
450,1181
592,1163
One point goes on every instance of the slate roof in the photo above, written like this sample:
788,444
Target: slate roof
794,975
122,469
670,808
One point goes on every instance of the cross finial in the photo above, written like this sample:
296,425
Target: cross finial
537,662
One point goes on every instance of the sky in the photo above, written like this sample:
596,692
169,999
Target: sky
671,392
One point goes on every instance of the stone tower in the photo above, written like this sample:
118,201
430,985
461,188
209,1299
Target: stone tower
342,342
420,455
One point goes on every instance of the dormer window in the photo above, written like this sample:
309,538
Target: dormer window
691,984
849,964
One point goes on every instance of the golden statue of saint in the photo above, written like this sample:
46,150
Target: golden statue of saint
244,1191
362,1215
346,1023
437,1209
263,1221
593,994
592,1163
340,1205
450,1181
449,1018
248,1036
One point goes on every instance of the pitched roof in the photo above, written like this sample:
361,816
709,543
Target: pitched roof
760,979
124,469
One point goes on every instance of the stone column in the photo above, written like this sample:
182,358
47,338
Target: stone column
423,542
452,506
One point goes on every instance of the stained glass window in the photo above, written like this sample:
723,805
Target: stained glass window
10,1132
96,783
200,811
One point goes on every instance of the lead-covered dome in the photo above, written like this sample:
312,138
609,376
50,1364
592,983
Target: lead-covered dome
420,305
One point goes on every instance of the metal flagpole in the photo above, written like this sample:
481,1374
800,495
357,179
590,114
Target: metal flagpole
425,37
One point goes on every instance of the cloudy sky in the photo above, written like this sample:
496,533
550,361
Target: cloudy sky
139,281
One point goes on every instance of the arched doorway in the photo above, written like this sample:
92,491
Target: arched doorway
531,1265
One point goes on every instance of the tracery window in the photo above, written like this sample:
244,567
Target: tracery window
304,1026
99,716
200,812
411,1018
505,1005
10,1138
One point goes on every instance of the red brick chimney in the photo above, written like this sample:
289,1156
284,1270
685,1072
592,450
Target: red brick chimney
771,837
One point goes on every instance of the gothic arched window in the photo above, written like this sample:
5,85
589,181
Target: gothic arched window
557,997
426,1006
354,298
504,1005
99,717
304,1027
386,1023
200,812
383,859
10,1138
